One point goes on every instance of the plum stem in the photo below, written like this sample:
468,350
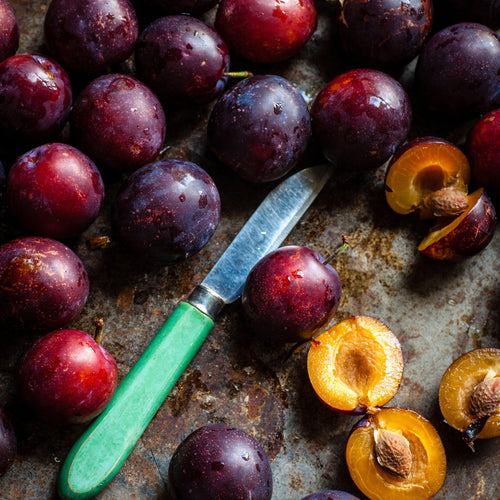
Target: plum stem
238,74
341,248
99,327
99,242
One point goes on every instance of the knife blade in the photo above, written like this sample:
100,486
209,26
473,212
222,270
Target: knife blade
101,450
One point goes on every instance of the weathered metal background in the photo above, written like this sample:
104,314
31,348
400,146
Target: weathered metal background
438,311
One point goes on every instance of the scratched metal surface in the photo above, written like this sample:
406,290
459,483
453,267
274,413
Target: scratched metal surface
438,311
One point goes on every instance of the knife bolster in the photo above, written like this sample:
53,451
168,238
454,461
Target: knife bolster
206,301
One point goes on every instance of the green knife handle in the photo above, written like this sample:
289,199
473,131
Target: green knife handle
100,452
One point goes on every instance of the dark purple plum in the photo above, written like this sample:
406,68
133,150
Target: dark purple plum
9,31
35,98
485,12
66,377
260,128
55,190
266,31
289,294
8,443
166,211
360,118
43,284
89,36
220,462
330,495
192,7
119,122
384,33
182,59
458,71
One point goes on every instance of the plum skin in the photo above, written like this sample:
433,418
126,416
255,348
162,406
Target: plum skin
192,7
483,151
55,190
466,56
43,284
89,35
35,98
182,59
384,33
220,462
360,118
266,31
9,31
289,294
119,122
272,132
166,211
8,443
66,377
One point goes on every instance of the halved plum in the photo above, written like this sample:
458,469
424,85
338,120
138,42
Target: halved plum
421,168
469,394
466,234
396,454
356,365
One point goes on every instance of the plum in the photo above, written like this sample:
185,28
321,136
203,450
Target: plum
384,33
182,59
330,495
8,443
119,122
266,31
166,211
260,128
220,462
66,377
360,118
35,98
289,294
88,36
466,56
55,190
43,284
483,151
9,31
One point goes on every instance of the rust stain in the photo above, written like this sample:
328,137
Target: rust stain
256,400
125,298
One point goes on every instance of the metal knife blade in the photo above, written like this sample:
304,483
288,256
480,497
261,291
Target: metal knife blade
103,448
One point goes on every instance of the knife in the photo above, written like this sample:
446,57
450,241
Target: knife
102,449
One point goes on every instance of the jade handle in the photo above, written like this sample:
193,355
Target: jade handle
100,452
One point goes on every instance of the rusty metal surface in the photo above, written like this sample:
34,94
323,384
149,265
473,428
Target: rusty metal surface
437,310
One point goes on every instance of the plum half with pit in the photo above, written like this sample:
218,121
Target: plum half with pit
55,190
89,36
469,394
35,98
66,377
260,128
457,72
396,453
360,118
8,443
220,462
266,31
290,294
43,284
166,211
483,151
9,31
182,59
384,33
356,365
119,122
